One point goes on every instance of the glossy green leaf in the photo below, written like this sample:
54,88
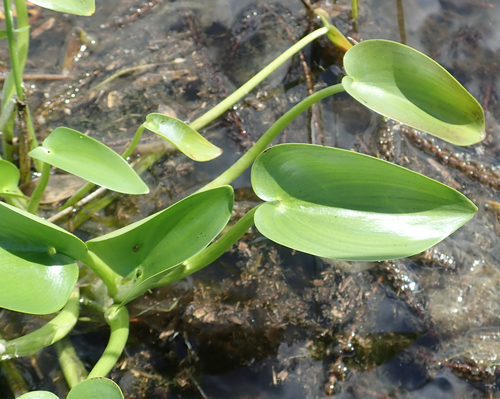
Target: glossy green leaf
38,395
78,7
344,205
186,139
149,249
36,262
406,85
9,179
96,388
89,159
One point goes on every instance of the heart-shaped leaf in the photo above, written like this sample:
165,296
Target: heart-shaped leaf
406,85
186,139
96,388
89,159
36,262
150,248
9,180
78,7
38,395
344,205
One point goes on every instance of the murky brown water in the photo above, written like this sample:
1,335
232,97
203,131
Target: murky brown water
265,321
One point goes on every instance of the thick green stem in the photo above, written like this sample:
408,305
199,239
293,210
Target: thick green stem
246,160
354,11
71,365
228,102
211,253
13,52
104,272
118,319
40,189
50,333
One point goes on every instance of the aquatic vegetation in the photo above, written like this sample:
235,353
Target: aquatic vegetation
323,201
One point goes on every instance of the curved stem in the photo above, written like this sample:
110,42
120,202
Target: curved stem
246,160
40,188
51,332
228,102
118,319
212,252
110,278
71,365
131,147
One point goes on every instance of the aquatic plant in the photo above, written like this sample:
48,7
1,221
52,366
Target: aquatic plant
323,201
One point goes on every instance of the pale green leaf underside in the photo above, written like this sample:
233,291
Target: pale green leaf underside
89,159
9,179
38,395
344,205
95,388
156,244
186,139
78,7
406,85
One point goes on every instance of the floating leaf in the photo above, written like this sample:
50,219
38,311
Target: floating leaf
340,204
9,180
78,7
36,262
150,248
89,159
186,139
406,85
95,388
38,395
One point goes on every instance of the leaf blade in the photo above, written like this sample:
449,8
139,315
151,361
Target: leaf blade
77,7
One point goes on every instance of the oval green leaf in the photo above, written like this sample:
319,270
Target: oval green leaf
77,7
147,250
406,85
9,180
96,388
181,135
36,262
344,205
38,395
89,159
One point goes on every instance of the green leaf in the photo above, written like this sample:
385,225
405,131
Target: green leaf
344,205
38,395
186,139
406,85
89,159
95,388
3,34
36,262
9,180
147,250
78,7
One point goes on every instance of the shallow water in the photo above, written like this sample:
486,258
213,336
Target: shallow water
265,321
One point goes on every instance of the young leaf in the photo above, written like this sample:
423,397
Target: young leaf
186,139
406,85
89,159
38,395
9,179
36,262
96,388
150,248
77,7
340,204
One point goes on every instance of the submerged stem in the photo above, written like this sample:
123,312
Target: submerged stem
71,365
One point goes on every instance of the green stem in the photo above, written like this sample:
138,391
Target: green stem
71,365
246,160
228,102
211,253
118,319
33,143
50,333
13,51
131,147
40,189
354,12
104,272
